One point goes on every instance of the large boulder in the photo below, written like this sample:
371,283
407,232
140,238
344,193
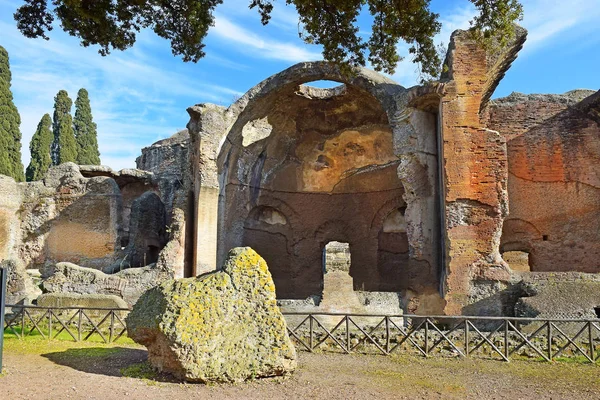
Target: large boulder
220,327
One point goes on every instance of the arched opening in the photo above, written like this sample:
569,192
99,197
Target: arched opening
267,230
309,166
518,260
518,244
392,250
147,230
323,84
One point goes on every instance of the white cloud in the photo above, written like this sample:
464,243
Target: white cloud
255,45
134,97
548,21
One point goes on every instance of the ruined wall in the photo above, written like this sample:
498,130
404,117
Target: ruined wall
10,202
554,178
323,172
288,168
474,171
67,217
168,160
170,163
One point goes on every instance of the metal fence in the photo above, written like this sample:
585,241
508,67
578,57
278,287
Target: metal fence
503,338
77,323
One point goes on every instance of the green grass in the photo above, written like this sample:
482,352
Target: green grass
141,370
36,344
62,336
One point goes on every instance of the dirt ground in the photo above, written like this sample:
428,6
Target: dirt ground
58,370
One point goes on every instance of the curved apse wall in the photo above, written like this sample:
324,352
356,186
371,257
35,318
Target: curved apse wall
312,166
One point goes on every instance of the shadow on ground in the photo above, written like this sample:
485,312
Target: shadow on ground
99,360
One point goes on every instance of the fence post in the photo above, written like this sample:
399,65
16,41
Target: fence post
3,273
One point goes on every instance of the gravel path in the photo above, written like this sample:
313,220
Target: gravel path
59,370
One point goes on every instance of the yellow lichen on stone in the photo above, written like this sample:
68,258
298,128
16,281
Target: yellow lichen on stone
224,326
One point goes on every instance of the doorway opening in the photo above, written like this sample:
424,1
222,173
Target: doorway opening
338,285
336,257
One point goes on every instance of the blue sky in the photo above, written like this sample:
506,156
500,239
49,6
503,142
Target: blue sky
140,95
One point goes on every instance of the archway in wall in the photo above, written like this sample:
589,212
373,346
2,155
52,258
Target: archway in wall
311,166
518,243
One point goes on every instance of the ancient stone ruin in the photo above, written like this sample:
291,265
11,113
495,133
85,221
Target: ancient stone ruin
447,202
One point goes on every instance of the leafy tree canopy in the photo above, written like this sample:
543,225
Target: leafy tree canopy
113,24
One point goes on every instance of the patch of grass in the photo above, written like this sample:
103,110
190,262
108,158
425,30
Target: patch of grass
62,336
143,371
394,379
388,374
36,344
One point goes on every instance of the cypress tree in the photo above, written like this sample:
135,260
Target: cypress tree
64,147
10,120
85,131
40,150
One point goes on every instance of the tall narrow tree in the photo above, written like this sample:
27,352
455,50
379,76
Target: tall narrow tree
85,131
40,150
10,120
64,147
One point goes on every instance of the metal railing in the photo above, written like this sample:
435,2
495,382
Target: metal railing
454,336
79,323
502,338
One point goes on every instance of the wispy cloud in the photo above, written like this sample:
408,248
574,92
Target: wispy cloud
258,46
547,19
135,99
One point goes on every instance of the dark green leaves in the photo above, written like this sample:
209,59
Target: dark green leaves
10,120
64,147
85,131
40,150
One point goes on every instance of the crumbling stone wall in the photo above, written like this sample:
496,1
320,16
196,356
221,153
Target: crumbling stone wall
430,186
170,163
554,180
474,170
289,167
69,217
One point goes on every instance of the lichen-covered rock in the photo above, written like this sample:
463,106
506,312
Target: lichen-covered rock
219,327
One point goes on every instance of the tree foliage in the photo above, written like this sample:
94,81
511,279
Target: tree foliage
40,150
85,131
10,120
113,24
64,147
